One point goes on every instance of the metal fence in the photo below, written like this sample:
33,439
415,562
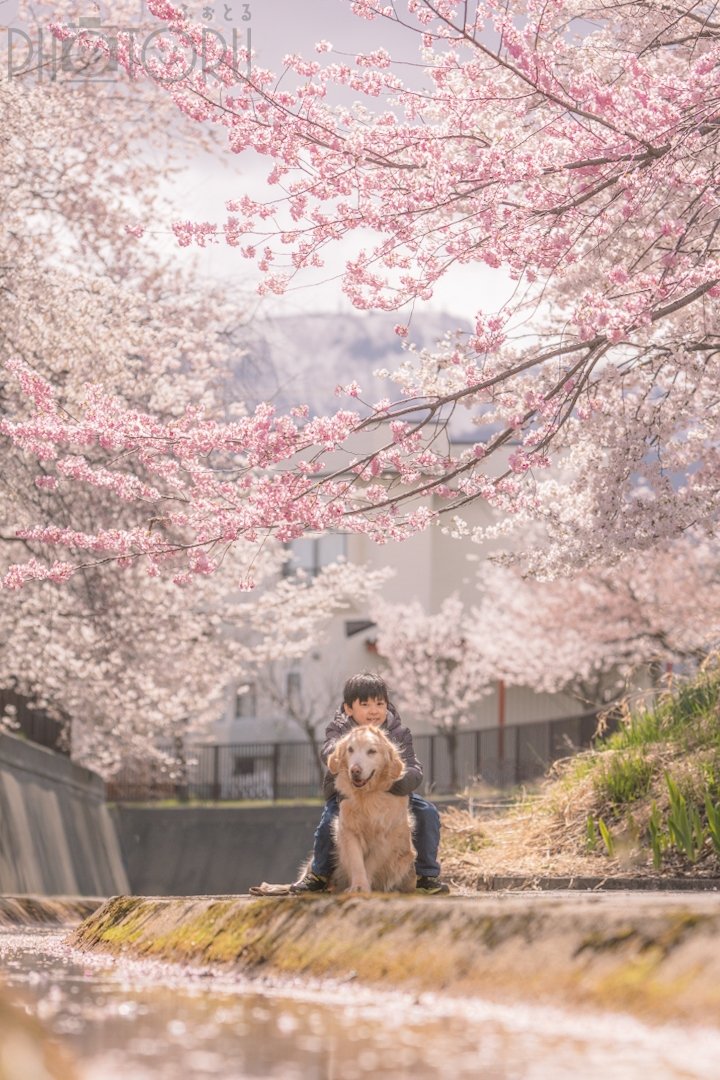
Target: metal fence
498,757
33,723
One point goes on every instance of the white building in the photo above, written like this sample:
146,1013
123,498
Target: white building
427,568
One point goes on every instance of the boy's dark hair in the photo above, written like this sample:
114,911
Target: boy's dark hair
366,685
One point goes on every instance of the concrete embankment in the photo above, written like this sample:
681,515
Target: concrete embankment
186,850
656,957
56,835
223,850
47,911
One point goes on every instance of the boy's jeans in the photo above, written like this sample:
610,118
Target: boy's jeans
426,835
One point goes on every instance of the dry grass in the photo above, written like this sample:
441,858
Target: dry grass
527,840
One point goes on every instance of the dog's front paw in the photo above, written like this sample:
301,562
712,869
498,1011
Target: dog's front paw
359,887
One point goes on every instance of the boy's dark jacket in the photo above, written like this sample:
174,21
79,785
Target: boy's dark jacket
395,730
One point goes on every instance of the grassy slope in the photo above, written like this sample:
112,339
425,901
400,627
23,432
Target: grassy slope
613,810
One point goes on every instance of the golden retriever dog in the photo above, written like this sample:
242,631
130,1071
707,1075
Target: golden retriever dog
373,830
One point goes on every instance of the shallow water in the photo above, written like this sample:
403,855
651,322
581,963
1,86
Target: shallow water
128,1020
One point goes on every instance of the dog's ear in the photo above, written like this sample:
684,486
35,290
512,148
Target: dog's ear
392,769
335,760
397,767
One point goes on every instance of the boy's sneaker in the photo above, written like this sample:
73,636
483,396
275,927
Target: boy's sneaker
311,883
431,886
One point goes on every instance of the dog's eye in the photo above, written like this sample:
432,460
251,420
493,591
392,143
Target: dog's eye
351,749
371,752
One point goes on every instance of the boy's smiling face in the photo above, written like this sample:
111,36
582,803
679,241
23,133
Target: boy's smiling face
369,711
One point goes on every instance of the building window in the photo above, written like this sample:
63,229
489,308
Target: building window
245,702
311,554
293,688
357,626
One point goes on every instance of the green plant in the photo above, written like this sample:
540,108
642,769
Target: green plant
638,730
590,834
658,839
606,837
712,812
579,767
680,713
710,777
684,823
624,778
695,699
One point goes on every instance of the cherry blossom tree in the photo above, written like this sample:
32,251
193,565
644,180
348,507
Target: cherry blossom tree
437,670
572,144
598,635
130,664
124,663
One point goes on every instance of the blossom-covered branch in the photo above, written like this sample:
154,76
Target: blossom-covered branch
572,144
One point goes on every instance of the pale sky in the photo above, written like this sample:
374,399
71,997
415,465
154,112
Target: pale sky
278,27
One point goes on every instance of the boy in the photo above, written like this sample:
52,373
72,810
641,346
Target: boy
365,701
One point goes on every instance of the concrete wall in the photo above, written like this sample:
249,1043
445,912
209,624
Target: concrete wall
56,834
197,851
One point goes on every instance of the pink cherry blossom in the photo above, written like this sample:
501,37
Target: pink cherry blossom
578,155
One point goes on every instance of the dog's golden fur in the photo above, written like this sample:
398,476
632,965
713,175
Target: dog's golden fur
373,830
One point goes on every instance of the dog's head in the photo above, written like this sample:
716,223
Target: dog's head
366,759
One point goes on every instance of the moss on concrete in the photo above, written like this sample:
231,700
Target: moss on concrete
661,960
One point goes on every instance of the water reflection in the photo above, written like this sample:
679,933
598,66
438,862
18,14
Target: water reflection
132,1021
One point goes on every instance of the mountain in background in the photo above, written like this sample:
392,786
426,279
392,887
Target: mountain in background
300,359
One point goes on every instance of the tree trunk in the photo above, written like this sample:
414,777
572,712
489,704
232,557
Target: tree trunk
451,738
182,790
313,739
